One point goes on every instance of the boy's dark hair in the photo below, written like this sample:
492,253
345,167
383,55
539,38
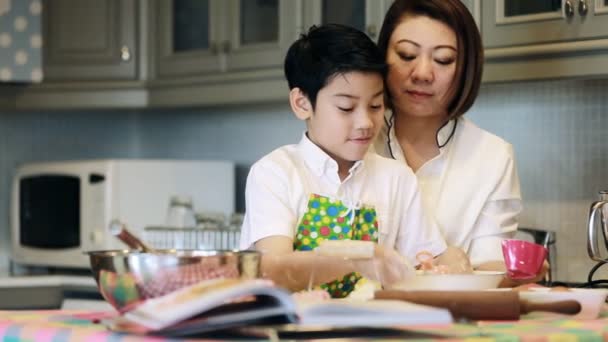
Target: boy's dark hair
326,51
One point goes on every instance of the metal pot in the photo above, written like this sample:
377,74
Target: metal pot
126,278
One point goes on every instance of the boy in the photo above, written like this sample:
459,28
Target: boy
328,186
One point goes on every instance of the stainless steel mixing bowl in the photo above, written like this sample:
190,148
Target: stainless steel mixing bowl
127,278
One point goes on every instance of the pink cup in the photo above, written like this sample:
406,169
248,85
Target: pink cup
523,259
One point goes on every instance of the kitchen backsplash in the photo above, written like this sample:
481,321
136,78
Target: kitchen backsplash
558,129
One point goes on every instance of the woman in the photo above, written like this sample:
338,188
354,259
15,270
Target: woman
467,176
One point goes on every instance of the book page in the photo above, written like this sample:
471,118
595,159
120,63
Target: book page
202,297
370,313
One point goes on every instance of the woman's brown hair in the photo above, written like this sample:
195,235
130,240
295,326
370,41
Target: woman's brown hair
469,64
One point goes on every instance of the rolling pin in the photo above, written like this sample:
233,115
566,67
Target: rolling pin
480,305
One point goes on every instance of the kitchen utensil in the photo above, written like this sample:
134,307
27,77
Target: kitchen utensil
598,212
591,300
481,305
523,259
119,230
127,278
548,239
478,280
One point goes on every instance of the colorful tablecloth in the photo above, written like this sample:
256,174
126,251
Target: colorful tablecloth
67,326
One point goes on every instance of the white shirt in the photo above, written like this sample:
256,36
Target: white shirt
471,188
279,186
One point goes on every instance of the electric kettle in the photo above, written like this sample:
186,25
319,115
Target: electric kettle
598,222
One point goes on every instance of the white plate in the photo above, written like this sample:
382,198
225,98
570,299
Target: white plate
591,300
479,280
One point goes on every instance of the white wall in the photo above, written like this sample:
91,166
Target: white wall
559,130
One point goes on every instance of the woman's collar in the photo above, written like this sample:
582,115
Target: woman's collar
443,136
446,132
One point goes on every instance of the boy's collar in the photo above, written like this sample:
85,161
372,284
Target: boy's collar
318,160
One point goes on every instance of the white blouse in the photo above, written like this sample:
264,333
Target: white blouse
471,188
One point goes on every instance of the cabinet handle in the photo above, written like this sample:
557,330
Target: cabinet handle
582,7
568,8
125,54
213,48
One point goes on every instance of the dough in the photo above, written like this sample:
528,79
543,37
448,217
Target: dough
351,249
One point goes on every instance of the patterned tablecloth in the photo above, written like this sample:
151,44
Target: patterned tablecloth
60,326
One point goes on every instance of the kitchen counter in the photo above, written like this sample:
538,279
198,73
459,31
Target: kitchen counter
48,280
64,325
48,292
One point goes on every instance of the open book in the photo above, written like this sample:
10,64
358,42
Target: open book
225,303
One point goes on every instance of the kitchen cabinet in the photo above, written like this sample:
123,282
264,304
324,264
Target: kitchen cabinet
544,38
519,22
365,15
92,56
210,36
188,38
89,40
222,51
213,36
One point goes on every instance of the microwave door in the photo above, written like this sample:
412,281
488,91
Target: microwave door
49,216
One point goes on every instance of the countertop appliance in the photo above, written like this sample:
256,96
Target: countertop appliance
598,224
61,209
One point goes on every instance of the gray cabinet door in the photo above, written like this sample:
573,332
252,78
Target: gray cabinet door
204,37
190,38
259,32
365,15
523,22
90,40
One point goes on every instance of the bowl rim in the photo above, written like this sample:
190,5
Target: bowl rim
172,252
474,274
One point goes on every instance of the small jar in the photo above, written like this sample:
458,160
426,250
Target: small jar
236,221
180,213
210,220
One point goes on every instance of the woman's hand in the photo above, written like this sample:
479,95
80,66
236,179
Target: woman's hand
387,266
453,261
509,282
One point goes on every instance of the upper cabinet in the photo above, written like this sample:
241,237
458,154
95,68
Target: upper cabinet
90,40
519,22
159,53
199,37
365,15
544,38
212,52
92,56
189,37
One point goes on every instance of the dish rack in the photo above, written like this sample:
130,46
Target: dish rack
164,237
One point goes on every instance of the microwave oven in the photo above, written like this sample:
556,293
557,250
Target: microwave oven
60,210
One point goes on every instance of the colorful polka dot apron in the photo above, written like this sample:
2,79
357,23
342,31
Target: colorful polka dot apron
333,220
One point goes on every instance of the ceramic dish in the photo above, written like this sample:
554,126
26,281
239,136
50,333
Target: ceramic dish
478,280
591,300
